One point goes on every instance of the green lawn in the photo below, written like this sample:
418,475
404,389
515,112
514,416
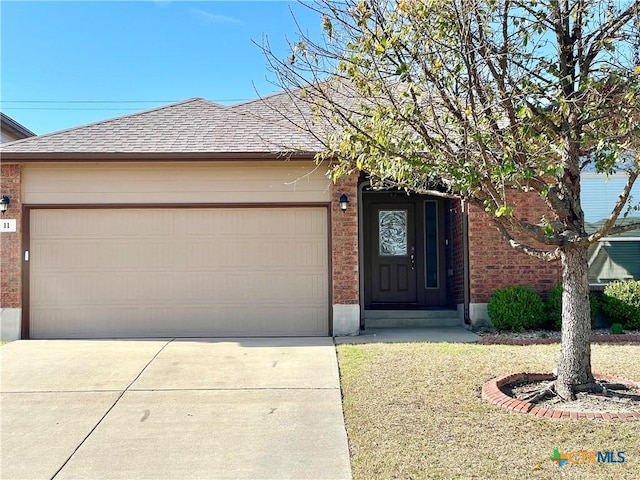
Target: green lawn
414,411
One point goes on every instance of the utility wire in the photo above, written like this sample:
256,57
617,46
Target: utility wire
40,104
118,101
49,109
88,101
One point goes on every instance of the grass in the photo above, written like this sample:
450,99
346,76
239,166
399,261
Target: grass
414,411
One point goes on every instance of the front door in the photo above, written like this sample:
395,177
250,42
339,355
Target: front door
393,253
404,243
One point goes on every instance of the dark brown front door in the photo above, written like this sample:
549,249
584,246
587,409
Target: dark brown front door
404,243
393,253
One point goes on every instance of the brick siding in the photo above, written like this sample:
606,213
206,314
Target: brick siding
493,263
457,260
344,243
10,243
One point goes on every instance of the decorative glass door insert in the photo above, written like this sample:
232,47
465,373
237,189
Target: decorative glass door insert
392,228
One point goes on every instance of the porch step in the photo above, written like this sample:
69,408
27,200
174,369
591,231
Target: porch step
411,318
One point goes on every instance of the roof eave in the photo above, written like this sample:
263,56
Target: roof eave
9,125
25,157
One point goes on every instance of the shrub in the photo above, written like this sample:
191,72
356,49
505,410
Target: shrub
553,308
516,308
621,303
616,329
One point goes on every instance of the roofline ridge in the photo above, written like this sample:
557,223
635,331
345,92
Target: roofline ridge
249,114
202,99
279,123
261,98
287,91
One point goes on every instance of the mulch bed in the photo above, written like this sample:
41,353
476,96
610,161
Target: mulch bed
536,339
501,392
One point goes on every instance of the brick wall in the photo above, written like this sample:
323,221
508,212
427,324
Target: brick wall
344,243
457,260
493,263
10,243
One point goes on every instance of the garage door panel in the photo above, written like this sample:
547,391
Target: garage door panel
307,288
104,255
140,287
179,272
288,318
153,288
196,223
54,290
121,255
308,253
303,254
311,287
105,223
215,288
90,321
309,223
224,253
193,321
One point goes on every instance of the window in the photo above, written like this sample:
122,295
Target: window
616,257
431,243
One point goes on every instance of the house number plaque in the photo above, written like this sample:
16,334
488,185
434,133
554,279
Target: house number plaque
7,226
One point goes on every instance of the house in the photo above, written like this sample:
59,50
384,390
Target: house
613,257
192,220
11,130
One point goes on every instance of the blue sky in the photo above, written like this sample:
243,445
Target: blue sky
147,52
139,55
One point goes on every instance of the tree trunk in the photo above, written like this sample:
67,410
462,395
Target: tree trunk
574,371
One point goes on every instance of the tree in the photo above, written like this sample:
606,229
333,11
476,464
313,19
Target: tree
476,99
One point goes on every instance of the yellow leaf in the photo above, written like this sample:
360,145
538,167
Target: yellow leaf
637,70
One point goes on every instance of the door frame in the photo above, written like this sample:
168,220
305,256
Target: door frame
439,297
26,241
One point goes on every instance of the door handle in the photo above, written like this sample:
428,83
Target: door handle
412,257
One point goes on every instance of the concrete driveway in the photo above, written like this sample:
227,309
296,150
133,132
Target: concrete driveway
172,408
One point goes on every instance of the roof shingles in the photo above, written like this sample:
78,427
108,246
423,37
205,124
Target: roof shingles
194,126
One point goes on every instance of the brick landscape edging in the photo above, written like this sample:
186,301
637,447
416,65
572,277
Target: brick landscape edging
492,393
498,340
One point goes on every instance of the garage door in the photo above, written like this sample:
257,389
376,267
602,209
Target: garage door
101,273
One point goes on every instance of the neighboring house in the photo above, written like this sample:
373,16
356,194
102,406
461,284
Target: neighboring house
192,220
617,257
11,130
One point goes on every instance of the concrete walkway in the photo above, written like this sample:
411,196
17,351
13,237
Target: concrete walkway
172,409
402,335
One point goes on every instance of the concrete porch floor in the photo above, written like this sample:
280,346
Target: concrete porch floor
401,335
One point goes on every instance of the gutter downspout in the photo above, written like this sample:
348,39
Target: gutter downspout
465,269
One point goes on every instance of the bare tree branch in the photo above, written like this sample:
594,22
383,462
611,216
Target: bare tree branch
548,256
